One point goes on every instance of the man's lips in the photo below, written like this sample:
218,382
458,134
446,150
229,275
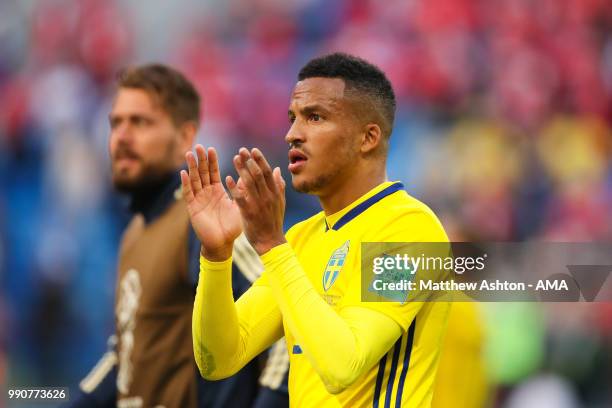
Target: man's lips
297,160
124,154
125,160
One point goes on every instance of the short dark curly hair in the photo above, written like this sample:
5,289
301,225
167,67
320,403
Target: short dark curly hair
176,94
358,75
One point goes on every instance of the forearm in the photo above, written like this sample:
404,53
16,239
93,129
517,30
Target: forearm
215,328
341,347
227,335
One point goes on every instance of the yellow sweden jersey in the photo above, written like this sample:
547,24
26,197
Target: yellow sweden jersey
328,248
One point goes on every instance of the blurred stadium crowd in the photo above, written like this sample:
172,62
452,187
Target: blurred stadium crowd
503,127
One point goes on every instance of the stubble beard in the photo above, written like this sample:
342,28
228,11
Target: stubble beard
147,177
316,185
150,174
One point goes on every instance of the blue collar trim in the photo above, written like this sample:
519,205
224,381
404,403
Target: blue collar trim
346,218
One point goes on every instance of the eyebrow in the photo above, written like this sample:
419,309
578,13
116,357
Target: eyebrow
305,110
129,115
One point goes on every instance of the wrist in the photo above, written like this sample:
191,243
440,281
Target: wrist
263,247
218,254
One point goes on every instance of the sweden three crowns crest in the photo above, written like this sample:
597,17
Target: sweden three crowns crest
334,266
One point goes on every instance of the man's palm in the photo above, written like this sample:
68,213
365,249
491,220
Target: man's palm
214,217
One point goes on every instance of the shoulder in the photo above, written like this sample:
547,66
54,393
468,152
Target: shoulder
404,218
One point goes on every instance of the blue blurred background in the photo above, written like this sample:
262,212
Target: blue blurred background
503,127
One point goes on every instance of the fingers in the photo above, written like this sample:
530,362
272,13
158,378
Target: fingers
257,175
240,163
194,175
213,166
265,169
203,165
204,171
257,179
237,194
278,180
244,153
186,187
280,184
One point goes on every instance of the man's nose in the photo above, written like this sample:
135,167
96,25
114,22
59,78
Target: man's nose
123,133
295,135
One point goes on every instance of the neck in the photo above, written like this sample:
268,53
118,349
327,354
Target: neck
350,189
147,195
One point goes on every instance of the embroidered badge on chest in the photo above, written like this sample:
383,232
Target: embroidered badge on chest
334,266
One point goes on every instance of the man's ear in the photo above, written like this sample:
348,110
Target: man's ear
188,133
372,138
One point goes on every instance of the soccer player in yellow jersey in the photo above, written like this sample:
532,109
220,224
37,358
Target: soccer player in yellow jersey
343,351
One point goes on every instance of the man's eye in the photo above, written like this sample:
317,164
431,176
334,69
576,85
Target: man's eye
315,117
139,121
291,119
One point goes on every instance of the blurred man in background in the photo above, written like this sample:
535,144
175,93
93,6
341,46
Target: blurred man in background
154,120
